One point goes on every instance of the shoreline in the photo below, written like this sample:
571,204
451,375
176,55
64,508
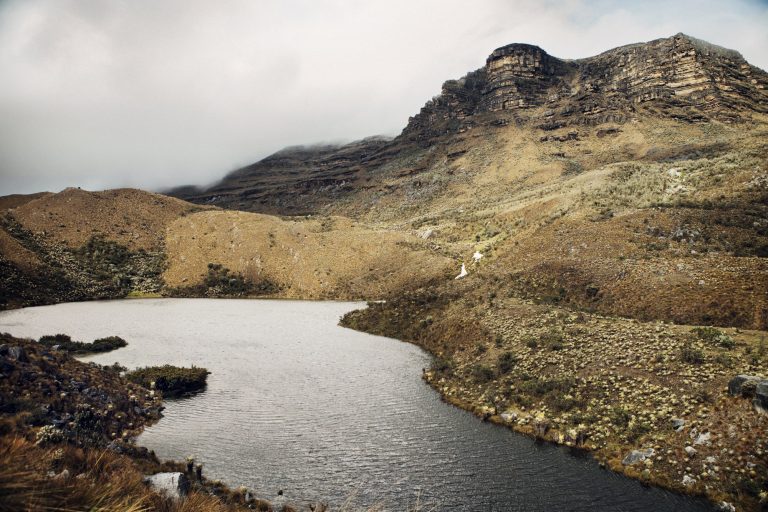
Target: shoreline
457,382
553,434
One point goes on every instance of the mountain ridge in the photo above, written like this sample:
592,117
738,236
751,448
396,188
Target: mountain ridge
679,77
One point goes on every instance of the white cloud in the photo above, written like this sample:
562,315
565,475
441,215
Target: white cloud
154,93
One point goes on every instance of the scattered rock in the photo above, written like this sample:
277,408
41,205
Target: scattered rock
636,456
688,480
509,416
726,507
172,485
690,450
703,439
678,424
64,475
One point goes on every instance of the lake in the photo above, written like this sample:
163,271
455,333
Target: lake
296,403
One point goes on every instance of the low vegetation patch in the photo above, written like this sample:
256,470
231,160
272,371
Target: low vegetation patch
714,337
64,343
172,381
222,282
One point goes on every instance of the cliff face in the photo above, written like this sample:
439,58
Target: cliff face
678,77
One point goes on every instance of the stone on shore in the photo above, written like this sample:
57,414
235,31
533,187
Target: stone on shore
636,456
172,485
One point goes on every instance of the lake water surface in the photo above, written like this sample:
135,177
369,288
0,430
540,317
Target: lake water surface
296,403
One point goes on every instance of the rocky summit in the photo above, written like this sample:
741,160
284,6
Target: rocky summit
581,244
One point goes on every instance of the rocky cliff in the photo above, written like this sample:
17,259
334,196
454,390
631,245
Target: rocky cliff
679,77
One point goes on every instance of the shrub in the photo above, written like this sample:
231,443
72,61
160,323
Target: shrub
172,381
620,417
221,282
532,344
637,430
482,373
553,340
714,336
507,361
541,387
442,365
691,354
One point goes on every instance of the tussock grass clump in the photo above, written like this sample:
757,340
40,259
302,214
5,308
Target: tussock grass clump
172,381
64,342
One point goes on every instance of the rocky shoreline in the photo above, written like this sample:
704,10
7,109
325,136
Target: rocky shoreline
620,389
67,439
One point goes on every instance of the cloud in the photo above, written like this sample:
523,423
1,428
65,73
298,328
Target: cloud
153,94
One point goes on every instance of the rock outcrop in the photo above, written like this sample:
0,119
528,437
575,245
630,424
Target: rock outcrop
679,77
173,485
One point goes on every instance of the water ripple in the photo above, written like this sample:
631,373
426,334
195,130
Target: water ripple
296,403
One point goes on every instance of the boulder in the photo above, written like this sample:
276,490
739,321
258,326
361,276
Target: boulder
14,353
172,485
703,439
735,384
540,428
509,417
761,397
678,424
636,456
690,450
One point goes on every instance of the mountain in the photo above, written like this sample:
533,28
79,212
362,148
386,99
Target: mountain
610,216
678,78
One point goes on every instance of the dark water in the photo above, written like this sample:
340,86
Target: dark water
295,402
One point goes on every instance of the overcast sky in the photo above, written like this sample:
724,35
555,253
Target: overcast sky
157,93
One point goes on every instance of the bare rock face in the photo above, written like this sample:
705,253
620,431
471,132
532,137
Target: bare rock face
518,75
680,77
171,485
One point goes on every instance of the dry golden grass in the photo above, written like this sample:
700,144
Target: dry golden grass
133,218
309,258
